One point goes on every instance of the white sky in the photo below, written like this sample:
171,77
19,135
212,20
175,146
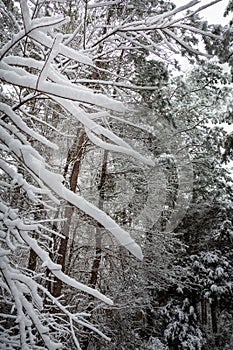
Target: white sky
213,14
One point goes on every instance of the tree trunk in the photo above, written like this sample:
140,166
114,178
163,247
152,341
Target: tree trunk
98,242
32,260
39,214
214,323
203,312
62,250
213,318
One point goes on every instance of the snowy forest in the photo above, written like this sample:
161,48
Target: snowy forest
116,178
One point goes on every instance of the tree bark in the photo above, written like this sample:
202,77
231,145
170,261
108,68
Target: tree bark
40,213
213,318
203,312
63,247
32,260
98,240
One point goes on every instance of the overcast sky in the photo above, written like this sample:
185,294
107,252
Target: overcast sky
213,14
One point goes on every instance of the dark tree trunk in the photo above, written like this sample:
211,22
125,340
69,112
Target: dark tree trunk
39,214
98,250
214,318
203,312
62,250
32,260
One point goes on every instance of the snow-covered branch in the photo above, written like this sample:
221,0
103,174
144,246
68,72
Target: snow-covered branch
163,23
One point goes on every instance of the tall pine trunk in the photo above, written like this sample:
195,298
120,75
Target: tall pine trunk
98,241
63,247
